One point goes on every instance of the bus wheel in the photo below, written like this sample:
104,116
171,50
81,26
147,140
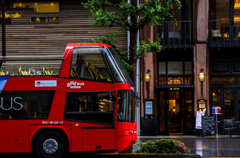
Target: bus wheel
50,144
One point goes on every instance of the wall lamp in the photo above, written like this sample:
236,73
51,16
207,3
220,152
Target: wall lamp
201,76
147,76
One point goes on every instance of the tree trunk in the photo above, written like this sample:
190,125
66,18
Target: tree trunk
133,55
133,45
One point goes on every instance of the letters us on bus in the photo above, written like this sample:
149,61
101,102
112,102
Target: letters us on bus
13,104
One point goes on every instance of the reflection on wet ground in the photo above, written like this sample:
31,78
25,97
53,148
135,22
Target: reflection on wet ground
208,146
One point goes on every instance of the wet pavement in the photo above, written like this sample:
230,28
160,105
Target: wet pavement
208,146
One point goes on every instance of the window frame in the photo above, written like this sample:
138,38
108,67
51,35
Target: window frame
167,77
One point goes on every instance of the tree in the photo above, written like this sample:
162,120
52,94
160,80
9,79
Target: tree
132,18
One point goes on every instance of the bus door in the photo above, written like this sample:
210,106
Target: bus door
94,112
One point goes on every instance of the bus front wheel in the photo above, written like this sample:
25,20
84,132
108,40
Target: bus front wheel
50,144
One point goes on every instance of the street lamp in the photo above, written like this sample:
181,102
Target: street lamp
201,77
147,76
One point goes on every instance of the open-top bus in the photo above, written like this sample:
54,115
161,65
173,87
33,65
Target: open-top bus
79,102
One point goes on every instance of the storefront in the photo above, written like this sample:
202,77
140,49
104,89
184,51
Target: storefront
225,82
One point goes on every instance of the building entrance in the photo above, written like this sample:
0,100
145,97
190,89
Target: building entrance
175,111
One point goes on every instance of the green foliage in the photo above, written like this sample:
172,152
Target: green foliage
150,13
110,40
163,146
150,47
132,17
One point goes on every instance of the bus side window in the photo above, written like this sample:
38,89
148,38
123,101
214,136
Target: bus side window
90,106
20,105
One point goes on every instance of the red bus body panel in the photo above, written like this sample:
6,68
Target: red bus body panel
17,135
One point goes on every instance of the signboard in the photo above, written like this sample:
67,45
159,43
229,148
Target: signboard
148,107
202,104
208,125
199,115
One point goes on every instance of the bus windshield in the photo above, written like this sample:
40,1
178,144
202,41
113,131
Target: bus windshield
125,106
88,63
92,63
117,68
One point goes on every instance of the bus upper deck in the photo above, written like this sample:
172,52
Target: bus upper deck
80,61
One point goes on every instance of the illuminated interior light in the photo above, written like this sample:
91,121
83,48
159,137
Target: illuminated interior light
237,4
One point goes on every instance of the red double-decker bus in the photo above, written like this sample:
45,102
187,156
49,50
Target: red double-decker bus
79,102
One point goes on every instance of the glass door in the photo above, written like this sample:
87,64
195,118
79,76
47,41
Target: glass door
227,100
163,113
188,114
175,111
229,104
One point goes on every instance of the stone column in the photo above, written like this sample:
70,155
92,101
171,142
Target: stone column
149,123
200,53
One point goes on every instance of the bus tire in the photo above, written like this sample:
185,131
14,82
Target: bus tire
50,144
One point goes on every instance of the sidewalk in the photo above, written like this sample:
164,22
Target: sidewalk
208,146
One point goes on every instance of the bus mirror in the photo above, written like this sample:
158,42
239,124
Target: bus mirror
112,96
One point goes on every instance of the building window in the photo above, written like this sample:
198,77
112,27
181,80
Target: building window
223,80
162,68
175,68
175,73
13,15
225,19
220,66
10,16
44,19
39,7
237,66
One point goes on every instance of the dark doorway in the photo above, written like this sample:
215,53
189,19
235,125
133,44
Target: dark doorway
175,111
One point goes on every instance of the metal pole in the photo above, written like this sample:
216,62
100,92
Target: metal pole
138,89
3,29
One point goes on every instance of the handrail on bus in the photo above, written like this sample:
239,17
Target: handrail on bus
49,57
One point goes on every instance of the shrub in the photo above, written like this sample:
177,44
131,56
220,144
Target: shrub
163,146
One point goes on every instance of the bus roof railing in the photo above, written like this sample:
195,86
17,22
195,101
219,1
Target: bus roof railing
48,57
